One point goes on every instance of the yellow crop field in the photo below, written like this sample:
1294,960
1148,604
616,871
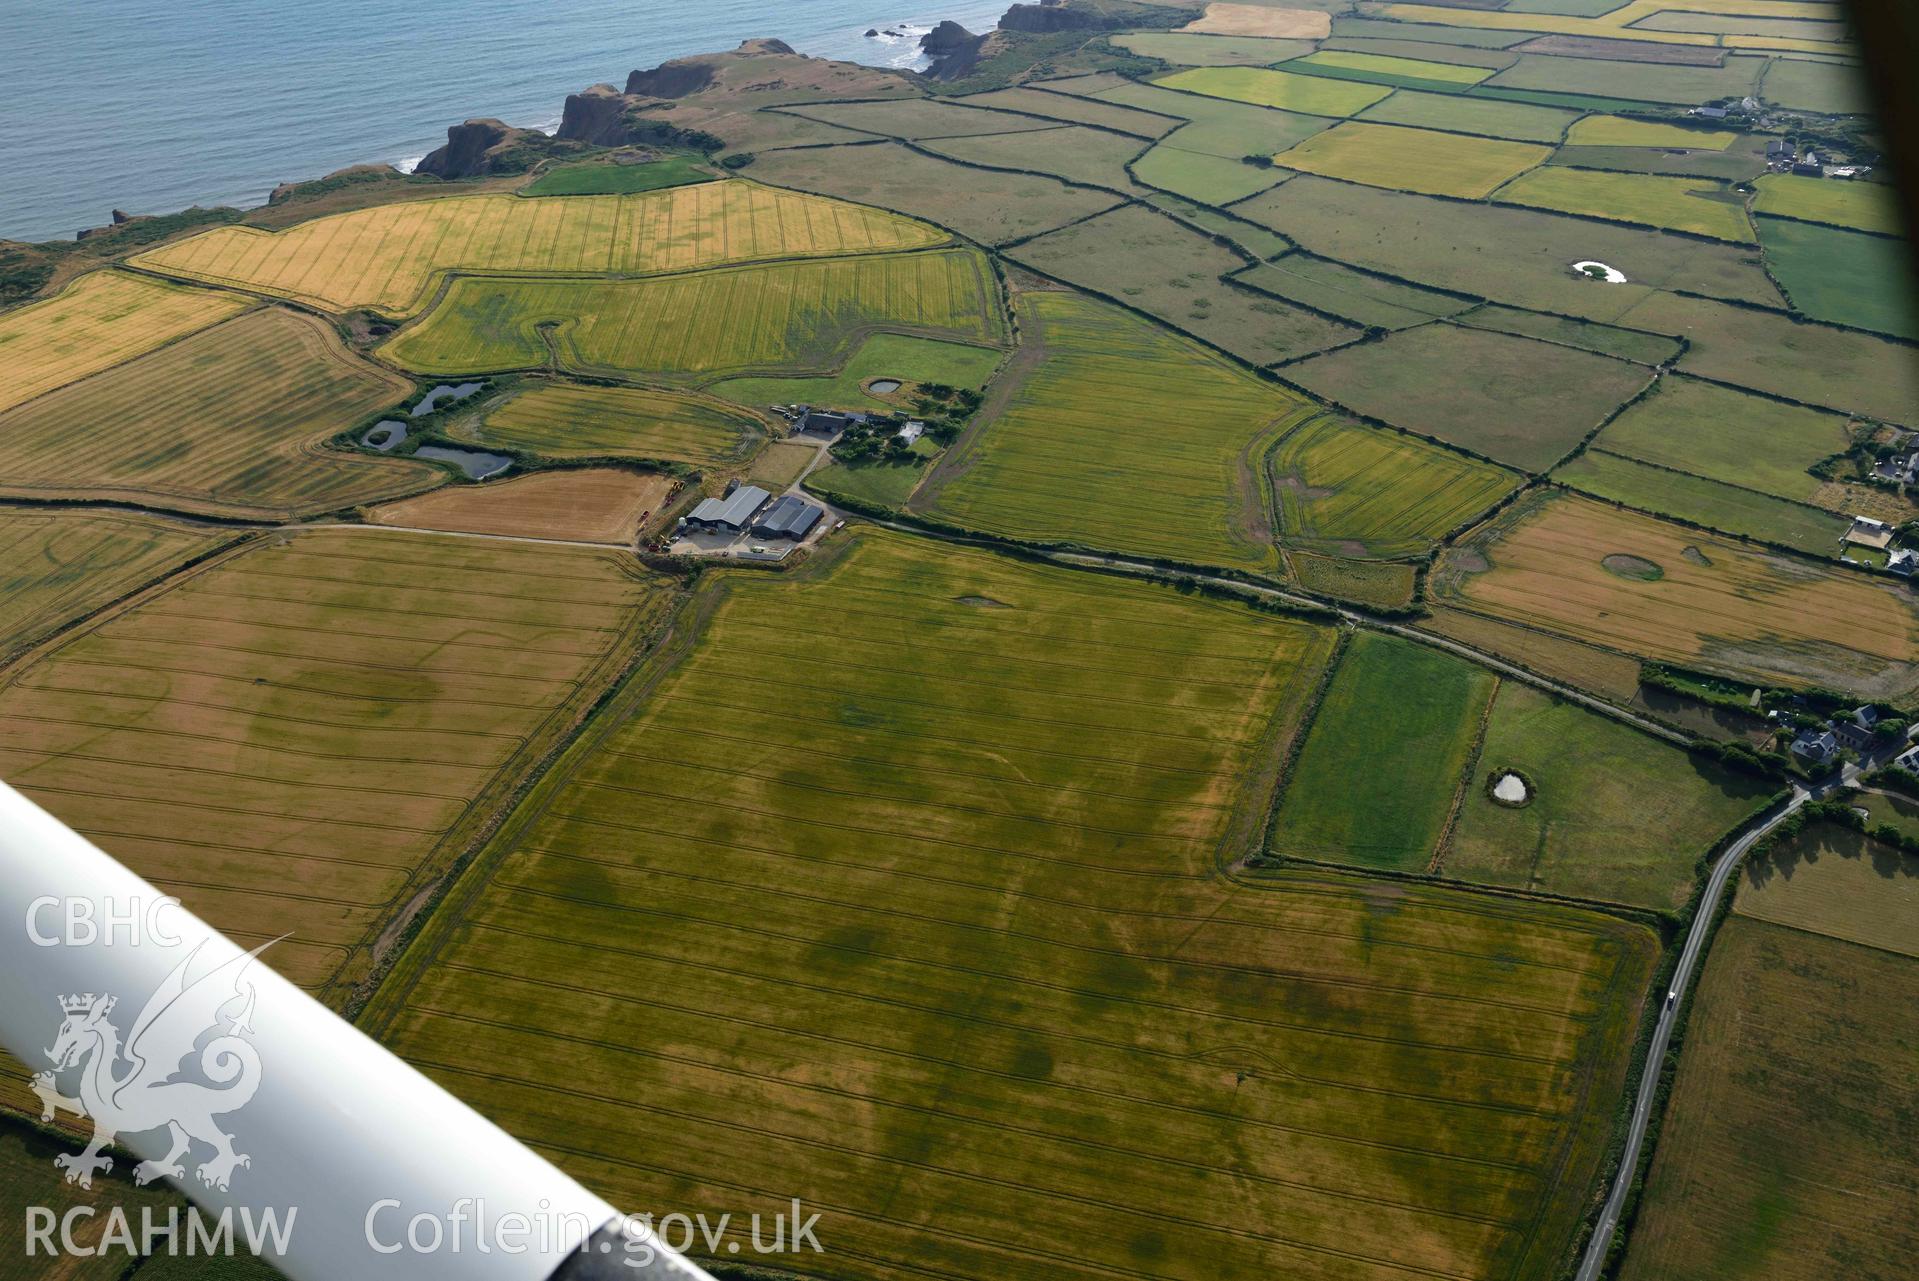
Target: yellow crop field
299,736
1834,881
1422,160
388,257
1618,131
1684,204
96,322
574,504
1312,95
229,421
1637,584
1866,206
581,420
1413,68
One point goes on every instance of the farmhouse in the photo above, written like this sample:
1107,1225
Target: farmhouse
1903,561
1852,735
791,518
911,432
827,423
1908,760
1815,746
732,513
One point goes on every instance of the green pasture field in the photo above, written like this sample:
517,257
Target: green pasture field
1644,81
1201,175
889,484
1619,131
230,421
1073,152
1816,86
951,933
799,315
301,737
1522,257
1039,100
1614,814
1740,24
64,564
1219,126
28,1177
1788,1149
1349,294
1850,372
1378,584
910,360
985,205
1461,114
1423,160
1393,70
1862,206
1170,271
1260,87
1830,880
1683,204
618,179
582,420
1899,811
1082,451
1381,765
1724,166
1420,50
1514,400
1260,242
1725,434
1707,502
1845,277
1607,340
915,118
1183,50
1360,491
1345,28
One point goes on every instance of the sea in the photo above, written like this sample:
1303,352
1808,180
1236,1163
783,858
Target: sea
149,106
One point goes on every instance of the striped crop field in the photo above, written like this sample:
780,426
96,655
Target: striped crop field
1120,435
581,420
1359,491
388,257
798,315
96,322
60,565
229,421
300,736
942,947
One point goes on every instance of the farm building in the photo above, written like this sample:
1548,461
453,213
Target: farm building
1815,747
732,513
792,518
828,423
1867,532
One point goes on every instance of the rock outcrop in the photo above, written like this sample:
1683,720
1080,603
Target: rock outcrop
596,116
953,50
485,146
1049,16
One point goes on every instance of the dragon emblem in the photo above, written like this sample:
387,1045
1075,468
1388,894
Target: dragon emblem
143,1084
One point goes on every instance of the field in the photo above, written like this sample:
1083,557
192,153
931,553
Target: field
895,356
1788,1150
1514,400
793,315
1518,256
1725,434
1481,116
96,322
301,736
1716,605
1863,206
1203,159
1312,95
1618,131
1849,372
617,179
1170,271
1830,880
1607,340
1424,160
1637,81
1377,777
1813,86
985,205
1185,50
1378,584
1844,277
1711,503
390,257
230,421
64,564
1174,474
587,504
1613,814
28,1178
1360,491
1096,157
1261,19
1391,70
916,118
1683,204
1900,811
576,420
1362,299
1075,109
1201,175
965,971
781,463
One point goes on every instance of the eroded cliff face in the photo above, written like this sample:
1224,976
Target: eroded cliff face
1049,16
595,116
485,146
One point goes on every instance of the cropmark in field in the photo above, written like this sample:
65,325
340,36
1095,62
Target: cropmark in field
581,420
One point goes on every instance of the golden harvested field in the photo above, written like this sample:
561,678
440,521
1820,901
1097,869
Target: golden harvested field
230,421
301,736
1262,20
96,322
63,564
1600,671
1619,131
1707,601
587,504
1831,880
581,420
791,316
943,946
388,258
1422,160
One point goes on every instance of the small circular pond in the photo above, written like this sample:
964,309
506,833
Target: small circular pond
1511,789
883,386
1600,271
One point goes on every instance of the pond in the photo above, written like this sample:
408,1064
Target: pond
445,391
1510,789
1600,271
477,465
883,386
385,435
